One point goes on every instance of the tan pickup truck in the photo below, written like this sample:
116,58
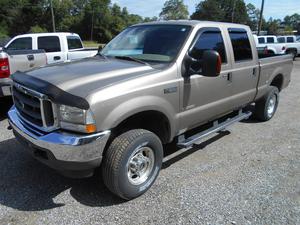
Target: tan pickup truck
153,84
18,60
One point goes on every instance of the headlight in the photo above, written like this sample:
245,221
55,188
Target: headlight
75,119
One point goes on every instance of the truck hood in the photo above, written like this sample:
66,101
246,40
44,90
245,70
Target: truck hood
82,77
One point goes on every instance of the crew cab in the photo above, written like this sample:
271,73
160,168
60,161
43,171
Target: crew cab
153,84
18,60
59,47
292,45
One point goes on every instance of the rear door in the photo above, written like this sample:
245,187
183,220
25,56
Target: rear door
245,66
53,48
204,98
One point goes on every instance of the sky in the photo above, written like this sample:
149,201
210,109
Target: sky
277,9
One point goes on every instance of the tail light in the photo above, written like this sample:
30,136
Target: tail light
4,68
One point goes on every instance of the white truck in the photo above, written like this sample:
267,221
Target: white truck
59,47
18,60
270,42
292,44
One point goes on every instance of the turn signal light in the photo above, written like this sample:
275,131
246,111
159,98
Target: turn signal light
90,128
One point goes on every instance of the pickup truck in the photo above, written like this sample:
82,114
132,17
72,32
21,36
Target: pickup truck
271,43
18,60
59,47
292,45
155,83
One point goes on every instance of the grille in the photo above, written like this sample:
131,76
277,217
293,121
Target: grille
34,107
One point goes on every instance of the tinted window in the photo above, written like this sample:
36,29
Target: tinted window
21,44
240,44
261,40
281,40
74,42
289,39
49,44
270,40
209,40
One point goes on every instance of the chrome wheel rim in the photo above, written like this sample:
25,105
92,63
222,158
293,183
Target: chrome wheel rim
140,165
271,105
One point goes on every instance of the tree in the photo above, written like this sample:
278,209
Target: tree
273,26
221,10
174,10
253,16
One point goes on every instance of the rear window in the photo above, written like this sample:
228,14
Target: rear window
261,40
49,43
240,44
270,40
289,39
74,42
281,40
21,44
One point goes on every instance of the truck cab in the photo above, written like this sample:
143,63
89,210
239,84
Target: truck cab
59,47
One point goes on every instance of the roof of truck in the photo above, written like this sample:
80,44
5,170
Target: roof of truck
47,34
192,23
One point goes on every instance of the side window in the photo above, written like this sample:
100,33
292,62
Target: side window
74,42
21,44
270,40
281,40
240,44
49,43
289,39
261,40
209,40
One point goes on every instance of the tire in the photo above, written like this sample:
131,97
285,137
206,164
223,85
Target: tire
123,160
266,107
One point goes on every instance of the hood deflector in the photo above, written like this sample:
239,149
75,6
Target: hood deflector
54,93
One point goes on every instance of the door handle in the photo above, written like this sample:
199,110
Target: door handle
30,57
56,58
227,76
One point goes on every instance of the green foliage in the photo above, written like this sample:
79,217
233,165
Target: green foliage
174,10
221,10
37,29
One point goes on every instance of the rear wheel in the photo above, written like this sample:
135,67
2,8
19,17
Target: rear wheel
132,163
266,107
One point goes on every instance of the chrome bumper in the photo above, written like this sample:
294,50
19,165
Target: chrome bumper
64,146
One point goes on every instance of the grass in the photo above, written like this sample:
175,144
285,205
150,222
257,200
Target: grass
91,44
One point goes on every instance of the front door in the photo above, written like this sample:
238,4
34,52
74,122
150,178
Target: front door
205,98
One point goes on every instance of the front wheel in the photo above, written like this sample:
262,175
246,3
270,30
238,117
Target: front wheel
266,107
132,163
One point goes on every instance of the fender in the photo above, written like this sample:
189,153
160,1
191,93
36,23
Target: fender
137,105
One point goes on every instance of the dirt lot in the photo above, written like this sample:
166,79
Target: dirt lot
250,175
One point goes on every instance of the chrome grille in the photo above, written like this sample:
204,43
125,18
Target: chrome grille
34,108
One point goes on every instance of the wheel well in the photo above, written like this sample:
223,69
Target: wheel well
153,121
291,50
277,81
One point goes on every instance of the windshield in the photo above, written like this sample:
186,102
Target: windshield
152,43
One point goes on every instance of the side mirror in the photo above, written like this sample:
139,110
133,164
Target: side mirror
211,63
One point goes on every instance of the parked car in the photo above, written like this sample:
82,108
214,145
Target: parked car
153,84
270,42
59,47
18,60
292,45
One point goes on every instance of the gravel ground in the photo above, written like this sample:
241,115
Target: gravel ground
249,175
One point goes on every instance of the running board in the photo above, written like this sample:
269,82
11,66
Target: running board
184,143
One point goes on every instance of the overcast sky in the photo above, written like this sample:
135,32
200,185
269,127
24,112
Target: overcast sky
273,8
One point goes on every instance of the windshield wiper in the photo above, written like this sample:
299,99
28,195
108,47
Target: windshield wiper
129,58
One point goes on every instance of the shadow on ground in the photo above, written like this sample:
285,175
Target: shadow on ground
28,185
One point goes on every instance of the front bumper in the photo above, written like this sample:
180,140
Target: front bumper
63,151
5,87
